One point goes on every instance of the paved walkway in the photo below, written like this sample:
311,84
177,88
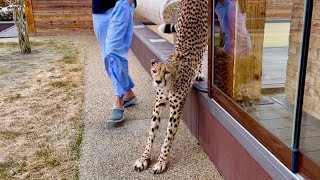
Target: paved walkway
108,152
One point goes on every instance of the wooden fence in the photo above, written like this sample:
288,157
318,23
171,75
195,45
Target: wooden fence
63,17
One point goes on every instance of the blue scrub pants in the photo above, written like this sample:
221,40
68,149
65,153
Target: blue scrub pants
114,31
226,14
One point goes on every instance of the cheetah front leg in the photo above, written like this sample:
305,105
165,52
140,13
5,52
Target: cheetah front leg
144,161
174,120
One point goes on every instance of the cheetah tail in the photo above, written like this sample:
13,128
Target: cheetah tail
167,28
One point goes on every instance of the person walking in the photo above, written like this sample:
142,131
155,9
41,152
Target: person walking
113,27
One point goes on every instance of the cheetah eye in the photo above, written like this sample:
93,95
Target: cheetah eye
166,72
154,71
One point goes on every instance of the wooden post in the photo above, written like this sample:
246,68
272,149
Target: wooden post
248,71
29,17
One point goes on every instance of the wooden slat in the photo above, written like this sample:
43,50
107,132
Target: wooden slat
29,17
61,5
64,1
63,8
64,25
59,12
60,32
62,17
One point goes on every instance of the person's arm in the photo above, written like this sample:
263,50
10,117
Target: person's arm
133,2
232,13
223,2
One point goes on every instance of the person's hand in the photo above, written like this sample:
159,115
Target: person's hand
223,2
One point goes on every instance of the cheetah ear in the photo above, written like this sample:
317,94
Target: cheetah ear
153,61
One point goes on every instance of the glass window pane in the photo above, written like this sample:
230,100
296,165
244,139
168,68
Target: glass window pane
310,132
257,48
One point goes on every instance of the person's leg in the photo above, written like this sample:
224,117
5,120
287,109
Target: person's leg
128,39
100,26
117,47
226,16
129,95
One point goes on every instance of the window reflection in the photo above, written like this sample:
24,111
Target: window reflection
232,20
256,59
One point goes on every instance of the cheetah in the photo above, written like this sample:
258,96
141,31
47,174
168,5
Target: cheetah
174,78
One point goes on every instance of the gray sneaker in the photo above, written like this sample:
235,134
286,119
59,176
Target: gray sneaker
117,115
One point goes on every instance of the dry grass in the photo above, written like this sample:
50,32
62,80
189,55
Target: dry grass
41,111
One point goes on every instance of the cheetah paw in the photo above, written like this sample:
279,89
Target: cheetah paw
159,167
141,164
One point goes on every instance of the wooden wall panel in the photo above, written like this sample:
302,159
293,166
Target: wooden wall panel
29,17
2,3
65,17
279,9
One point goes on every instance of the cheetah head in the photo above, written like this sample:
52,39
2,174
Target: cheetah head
162,74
